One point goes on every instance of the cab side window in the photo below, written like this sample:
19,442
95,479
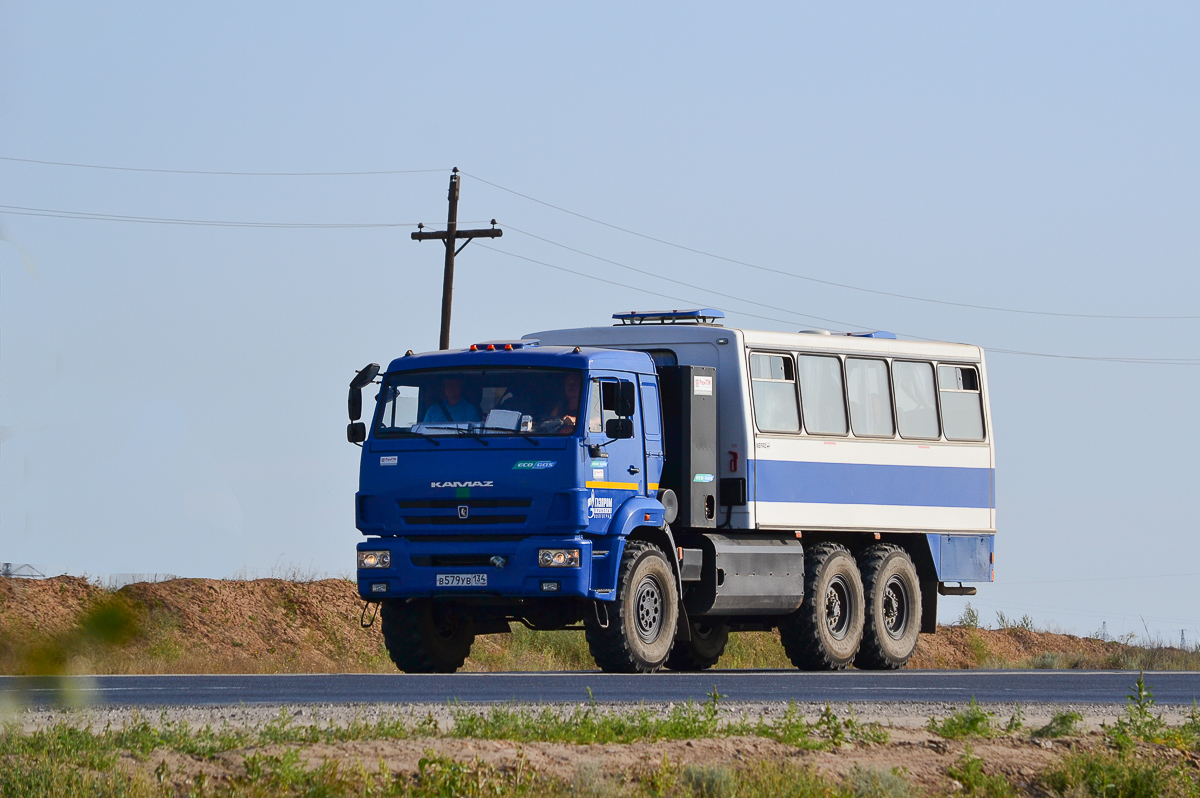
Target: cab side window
870,397
773,384
962,404
595,410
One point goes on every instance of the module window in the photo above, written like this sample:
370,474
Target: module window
962,403
822,395
870,397
773,384
916,400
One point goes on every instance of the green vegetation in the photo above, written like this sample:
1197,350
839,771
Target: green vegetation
1062,724
974,721
968,771
587,724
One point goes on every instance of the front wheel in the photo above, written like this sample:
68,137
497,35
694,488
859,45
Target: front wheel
642,619
824,634
893,618
426,636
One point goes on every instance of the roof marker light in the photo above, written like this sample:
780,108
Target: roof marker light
508,348
577,350
491,348
474,348
408,353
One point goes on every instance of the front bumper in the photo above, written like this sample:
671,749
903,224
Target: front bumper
413,572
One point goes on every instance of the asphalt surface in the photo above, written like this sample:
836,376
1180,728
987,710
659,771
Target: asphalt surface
1040,686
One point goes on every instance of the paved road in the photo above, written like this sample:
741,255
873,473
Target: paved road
482,688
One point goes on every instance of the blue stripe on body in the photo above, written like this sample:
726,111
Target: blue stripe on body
856,483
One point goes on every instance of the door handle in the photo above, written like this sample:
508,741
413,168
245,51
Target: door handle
634,469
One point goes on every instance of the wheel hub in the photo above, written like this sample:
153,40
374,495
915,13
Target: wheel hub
648,604
895,608
837,607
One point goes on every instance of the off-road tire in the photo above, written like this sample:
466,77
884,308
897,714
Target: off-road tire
422,637
893,608
703,650
824,634
642,619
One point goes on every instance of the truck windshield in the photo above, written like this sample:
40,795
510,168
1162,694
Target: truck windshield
480,401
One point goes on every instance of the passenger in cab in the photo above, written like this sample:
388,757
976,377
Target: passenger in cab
452,409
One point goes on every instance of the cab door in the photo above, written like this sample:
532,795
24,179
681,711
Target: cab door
617,468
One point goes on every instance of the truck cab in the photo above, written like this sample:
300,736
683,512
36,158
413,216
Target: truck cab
502,483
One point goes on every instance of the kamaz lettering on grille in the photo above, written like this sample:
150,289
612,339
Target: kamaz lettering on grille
476,484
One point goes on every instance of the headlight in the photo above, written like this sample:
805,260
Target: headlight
558,558
374,559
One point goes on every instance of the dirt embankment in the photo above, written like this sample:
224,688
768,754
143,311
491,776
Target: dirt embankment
278,626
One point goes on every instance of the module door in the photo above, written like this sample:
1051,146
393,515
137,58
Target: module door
619,471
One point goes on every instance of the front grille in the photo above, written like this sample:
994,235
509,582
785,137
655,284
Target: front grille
453,560
454,520
453,504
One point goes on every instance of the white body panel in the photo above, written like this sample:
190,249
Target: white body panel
799,481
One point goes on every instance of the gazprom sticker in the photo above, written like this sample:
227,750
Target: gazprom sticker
702,386
392,460
702,478
533,465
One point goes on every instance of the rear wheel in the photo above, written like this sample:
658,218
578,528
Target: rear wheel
642,619
824,634
426,636
703,650
893,604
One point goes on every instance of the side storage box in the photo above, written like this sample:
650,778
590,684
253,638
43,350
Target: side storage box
756,573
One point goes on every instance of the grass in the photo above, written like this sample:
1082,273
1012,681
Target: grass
968,771
1062,724
278,759
974,721
587,725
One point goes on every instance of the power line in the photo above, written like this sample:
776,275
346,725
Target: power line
627,231
680,282
19,210
1102,359
220,173
831,283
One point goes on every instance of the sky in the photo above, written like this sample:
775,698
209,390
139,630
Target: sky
172,396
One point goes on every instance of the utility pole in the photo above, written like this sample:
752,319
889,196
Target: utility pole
451,235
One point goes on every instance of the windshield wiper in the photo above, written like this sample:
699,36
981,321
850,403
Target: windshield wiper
468,433
429,438
521,435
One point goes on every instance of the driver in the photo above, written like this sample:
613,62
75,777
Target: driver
453,409
563,417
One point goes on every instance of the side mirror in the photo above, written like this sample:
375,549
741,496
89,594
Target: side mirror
354,403
625,401
618,428
356,432
365,377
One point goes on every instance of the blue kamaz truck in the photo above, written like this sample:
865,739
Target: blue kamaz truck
665,481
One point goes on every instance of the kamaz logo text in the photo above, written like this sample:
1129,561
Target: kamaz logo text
476,484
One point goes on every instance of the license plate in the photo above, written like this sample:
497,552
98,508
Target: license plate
462,580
